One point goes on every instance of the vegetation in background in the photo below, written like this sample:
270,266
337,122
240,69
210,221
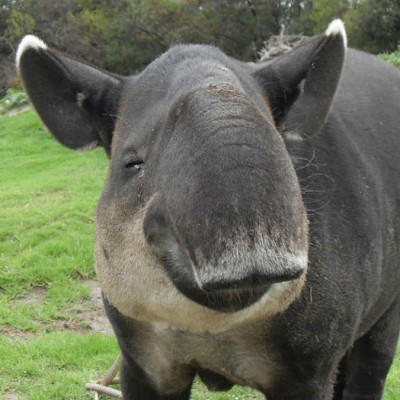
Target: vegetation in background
392,58
125,35
374,25
13,99
323,11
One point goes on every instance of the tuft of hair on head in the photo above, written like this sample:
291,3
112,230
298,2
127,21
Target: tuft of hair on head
29,42
336,27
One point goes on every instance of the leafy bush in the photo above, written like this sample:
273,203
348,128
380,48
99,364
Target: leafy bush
13,99
392,58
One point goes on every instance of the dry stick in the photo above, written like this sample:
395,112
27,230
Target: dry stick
104,390
112,372
101,385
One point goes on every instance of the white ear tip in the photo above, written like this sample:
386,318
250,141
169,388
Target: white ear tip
336,27
29,42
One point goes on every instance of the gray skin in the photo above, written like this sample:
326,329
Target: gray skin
248,230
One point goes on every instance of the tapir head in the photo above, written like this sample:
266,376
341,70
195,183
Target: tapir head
201,223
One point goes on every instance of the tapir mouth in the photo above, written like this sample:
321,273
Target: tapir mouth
226,281
228,300
224,289
235,296
227,296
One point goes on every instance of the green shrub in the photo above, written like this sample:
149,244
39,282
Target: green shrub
392,58
13,99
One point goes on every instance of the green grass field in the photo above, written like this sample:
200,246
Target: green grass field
48,196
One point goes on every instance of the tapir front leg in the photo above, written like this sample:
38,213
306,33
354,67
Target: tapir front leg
147,371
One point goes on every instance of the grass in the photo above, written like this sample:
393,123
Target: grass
54,365
48,196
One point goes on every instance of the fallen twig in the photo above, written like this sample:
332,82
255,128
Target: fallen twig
101,386
112,372
104,390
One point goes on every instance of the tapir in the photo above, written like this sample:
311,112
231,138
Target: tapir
249,228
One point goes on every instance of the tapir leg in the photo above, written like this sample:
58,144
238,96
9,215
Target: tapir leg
296,391
136,386
340,380
142,362
367,363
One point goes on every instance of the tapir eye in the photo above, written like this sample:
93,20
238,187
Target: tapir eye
136,164
132,162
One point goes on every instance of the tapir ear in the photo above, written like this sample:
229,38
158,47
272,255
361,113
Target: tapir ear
301,84
77,103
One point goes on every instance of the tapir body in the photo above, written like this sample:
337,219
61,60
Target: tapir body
248,230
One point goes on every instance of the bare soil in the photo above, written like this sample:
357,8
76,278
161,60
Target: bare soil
16,110
90,316
36,295
95,315
10,396
14,333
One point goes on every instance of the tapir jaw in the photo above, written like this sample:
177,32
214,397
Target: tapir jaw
230,270
235,280
135,282
230,296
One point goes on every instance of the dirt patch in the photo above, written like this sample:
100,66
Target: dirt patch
15,111
94,314
35,296
10,396
14,333
89,316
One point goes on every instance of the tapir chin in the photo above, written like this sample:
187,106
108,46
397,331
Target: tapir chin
249,227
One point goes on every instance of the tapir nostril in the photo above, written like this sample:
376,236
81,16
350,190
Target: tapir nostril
252,282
